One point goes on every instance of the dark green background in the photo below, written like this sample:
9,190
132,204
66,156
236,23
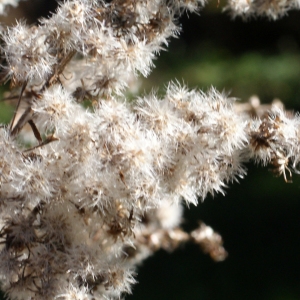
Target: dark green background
259,217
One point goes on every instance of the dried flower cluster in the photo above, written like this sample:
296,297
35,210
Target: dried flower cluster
102,188
272,9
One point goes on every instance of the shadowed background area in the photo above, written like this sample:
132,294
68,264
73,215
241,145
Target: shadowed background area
259,217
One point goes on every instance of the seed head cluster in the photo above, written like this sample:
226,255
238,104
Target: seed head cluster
102,184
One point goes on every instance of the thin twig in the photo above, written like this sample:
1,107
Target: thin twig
18,105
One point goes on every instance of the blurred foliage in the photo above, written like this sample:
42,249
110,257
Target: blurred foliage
242,76
242,58
5,113
6,109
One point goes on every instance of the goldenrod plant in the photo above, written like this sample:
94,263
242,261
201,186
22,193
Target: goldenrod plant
102,185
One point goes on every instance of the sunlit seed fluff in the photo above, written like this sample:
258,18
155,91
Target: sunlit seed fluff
8,148
196,126
215,121
5,3
27,53
30,180
273,10
287,126
125,152
56,110
158,115
274,136
169,214
73,292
